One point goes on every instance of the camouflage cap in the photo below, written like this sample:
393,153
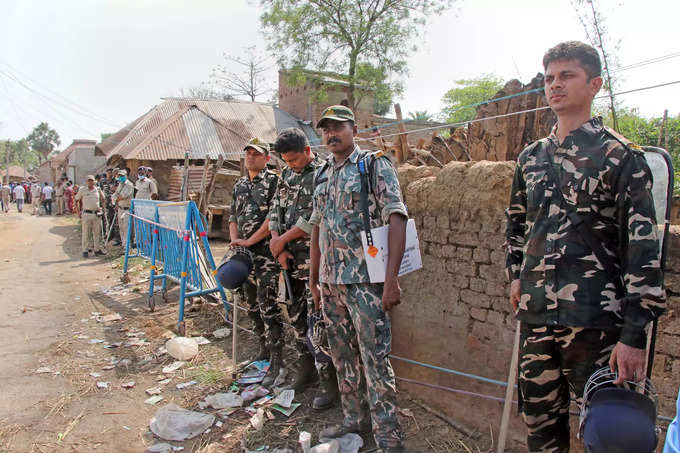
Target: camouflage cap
258,145
337,113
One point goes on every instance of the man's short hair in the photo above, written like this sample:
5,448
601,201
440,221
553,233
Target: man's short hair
585,54
291,139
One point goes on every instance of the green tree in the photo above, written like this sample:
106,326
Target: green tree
469,92
339,35
44,140
420,115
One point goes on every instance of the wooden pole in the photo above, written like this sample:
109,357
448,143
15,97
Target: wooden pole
402,150
509,392
211,185
204,177
662,130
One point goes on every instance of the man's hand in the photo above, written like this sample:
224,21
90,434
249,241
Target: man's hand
316,294
391,294
629,361
515,294
238,243
283,259
276,245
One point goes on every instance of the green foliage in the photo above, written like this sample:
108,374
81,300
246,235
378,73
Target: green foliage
340,35
469,92
20,154
420,115
645,132
43,139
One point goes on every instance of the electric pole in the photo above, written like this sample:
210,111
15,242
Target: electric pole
7,162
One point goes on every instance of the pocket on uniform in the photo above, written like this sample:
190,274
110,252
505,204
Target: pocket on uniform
535,188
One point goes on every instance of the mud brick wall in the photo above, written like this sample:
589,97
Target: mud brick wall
455,311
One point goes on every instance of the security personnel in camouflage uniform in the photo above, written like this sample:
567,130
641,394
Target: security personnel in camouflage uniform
122,198
106,183
290,230
249,227
578,314
356,310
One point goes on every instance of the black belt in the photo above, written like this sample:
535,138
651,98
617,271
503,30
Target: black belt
87,211
120,207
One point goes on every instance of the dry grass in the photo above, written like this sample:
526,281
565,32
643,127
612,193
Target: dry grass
8,432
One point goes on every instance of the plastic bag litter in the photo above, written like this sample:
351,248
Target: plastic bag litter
163,448
327,447
257,420
171,422
281,378
224,400
182,348
253,391
222,333
349,443
305,440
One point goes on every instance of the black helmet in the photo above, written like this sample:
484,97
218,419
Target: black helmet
235,267
618,418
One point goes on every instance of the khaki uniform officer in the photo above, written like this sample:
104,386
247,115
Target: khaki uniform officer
146,187
91,200
121,198
59,194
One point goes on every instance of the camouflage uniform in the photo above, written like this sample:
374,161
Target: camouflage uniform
108,188
359,331
293,201
251,202
572,311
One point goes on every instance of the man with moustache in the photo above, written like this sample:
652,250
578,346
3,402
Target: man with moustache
356,310
577,311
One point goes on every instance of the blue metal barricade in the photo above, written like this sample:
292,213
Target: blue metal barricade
168,234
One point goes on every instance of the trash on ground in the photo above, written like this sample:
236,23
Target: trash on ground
254,373
96,375
281,378
224,400
161,351
286,410
184,385
305,440
163,448
117,344
172,422
153,391
103,385
111,317
174,366
225,413
222,333
136,342
327,447
95,341
285,398
182,348
257,420
349,443
128,385
153,400
201,340
43,370
108,367
264,400
253,391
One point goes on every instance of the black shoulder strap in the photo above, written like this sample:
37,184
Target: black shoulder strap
318,179
584,230
365,164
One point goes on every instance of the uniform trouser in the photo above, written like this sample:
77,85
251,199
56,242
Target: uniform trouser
359,333
36,205
60,205
552,361
309,326
260,291
92,228
5,203
20,204
123,220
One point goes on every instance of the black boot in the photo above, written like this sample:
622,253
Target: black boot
274,366
328,395
262,352
305,374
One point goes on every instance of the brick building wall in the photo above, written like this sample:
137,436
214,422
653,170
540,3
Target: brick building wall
455,311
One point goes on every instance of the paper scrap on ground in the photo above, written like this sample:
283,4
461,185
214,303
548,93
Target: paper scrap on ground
286,411
184,385
174,366
285,398
153,391
153,400
103,385
172,422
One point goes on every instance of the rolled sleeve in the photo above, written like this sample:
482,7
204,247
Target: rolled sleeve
315,218
304,225
387,190
393,208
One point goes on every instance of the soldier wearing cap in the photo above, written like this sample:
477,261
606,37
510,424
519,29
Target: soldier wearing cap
356,310
88,204
121,198
249,227
145,187
149,176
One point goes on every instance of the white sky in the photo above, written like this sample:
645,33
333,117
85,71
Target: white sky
116,58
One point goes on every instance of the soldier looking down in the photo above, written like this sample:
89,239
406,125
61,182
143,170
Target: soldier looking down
356,310
577,312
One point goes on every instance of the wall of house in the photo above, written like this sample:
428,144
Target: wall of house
84,162
455,311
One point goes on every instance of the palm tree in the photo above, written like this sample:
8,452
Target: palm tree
420,115
44,140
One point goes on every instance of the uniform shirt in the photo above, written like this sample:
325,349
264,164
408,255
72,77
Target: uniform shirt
562,282
145,187
19,192
90,198
338,213
251,202
125,190
35,191
292,206
5,191
47,192
59,190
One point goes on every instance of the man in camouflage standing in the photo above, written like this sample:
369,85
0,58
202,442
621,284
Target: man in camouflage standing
359,329
580,198
290,230
249,227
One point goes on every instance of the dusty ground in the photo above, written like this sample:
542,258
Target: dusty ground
49,299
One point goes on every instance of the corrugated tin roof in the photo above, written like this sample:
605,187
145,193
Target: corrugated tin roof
203,128
15,172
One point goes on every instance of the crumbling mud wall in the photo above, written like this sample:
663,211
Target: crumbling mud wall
455,311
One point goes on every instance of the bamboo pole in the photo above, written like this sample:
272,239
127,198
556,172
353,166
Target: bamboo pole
402,150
